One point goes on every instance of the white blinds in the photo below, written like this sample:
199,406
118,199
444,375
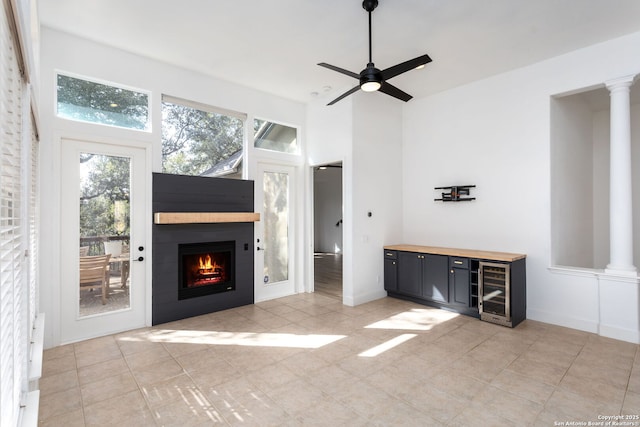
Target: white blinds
33,225
13,343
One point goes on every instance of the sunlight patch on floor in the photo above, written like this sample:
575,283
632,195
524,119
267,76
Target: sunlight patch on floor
388,345
416,319
251,339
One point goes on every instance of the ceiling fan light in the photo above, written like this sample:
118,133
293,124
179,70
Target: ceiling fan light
370,86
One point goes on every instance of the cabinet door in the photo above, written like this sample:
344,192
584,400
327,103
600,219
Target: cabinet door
435,275
410,273
459,285
390,274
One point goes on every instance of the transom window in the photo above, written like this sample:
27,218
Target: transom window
89,101
275,137
201,140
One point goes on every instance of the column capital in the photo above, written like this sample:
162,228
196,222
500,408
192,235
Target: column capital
620,82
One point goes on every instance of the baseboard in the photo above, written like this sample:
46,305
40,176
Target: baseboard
368,297
559,320
629,335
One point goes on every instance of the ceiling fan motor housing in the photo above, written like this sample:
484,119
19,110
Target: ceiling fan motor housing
370,5
370,75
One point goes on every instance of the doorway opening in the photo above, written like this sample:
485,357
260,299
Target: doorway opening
327,220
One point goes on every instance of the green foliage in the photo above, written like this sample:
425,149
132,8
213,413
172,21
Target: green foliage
104,195
94,102
194,140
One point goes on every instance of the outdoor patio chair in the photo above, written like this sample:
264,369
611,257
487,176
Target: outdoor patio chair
93,270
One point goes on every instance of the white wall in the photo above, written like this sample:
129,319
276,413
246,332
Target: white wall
572,170
495,133
60,51
601,130
364,131
377,180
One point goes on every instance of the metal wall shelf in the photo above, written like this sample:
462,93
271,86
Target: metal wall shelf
454,193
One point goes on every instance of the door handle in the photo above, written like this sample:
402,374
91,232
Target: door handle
258,248
140,258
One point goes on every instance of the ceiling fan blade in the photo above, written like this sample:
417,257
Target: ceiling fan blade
405,66
394,91
340,70
344,95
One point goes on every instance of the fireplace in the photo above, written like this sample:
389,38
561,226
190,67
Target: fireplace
206,268
179,292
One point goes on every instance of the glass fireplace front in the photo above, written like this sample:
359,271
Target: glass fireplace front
206,268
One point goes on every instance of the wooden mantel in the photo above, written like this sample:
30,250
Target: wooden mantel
204,217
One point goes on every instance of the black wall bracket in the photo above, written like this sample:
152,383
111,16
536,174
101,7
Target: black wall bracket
455,193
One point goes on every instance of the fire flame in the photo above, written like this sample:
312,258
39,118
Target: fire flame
207,264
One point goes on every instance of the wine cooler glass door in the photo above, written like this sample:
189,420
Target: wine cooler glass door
494,291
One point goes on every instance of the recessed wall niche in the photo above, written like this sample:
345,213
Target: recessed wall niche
579,193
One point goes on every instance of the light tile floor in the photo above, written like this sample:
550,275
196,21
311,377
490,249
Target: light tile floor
309,360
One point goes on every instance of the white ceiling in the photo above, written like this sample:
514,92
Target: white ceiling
274,45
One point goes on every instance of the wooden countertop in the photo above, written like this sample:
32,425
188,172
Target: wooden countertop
466,253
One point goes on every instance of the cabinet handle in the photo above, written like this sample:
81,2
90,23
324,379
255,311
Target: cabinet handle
452,271
457,262
394,263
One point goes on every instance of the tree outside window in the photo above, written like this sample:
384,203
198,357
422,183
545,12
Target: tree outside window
200,142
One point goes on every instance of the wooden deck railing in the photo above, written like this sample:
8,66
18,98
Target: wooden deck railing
95,243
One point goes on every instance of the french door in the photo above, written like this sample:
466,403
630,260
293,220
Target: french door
274,187
103,239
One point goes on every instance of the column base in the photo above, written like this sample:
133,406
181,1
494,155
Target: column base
618,307
621,270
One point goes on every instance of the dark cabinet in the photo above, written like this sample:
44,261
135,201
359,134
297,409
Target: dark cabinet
474,267
435,286
459,282
390,270
410,273
452,279
423,275
439,280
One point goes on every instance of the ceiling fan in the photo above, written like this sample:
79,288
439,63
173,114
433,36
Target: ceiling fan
371,78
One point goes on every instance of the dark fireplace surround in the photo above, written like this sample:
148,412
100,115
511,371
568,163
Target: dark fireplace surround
219,286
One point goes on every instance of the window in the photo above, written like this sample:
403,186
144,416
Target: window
14,337
201,140
93,102
275,137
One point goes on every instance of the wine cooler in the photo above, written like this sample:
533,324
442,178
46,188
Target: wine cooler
495,294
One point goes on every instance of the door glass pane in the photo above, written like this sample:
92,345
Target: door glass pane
105,183
276,226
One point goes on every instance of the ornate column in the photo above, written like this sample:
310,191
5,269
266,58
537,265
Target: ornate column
620,207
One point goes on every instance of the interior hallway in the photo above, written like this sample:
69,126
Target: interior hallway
328,274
